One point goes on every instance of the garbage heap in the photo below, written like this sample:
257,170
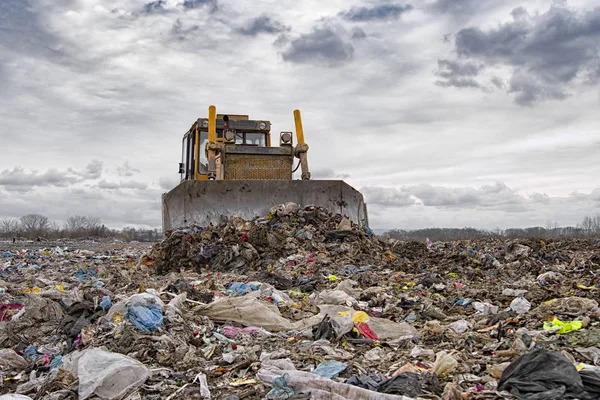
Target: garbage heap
301,304
290,239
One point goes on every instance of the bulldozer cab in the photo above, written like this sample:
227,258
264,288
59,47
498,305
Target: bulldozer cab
243,150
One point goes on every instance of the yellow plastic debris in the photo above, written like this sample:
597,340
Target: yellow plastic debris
581,286
60,287
117,317
565,327
32,290
333,278
357,316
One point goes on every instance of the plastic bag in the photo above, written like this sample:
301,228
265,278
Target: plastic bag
241,289
147,319
370,382
107,375
562,327
329,369
248,310
406,384
332,297
460,326
545,374
11,361
105,303
520,305
485,308
280,389
444,363
15,397
421,352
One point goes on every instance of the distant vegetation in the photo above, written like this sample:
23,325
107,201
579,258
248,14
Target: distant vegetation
590,226
34,226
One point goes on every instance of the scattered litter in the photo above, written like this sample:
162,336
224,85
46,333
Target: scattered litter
296,304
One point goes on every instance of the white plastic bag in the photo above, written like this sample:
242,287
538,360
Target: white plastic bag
332,297
105,374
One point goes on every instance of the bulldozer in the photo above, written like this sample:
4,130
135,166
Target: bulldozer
230,167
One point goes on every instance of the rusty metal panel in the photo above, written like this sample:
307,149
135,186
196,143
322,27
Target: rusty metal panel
257,166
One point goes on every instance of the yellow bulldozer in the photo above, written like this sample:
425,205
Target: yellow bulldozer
229,167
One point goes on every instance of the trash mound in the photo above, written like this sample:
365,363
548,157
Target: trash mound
289,236
301,304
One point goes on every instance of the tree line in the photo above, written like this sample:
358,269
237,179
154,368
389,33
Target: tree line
36,226
590,226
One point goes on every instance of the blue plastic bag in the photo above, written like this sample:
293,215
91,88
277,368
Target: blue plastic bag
329,369
105,303
242,288
147,319
280,390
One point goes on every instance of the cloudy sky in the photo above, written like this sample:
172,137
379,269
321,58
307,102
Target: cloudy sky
449,113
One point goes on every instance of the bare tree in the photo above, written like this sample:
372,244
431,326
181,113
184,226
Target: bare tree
76,223
10,227
34,224
588,225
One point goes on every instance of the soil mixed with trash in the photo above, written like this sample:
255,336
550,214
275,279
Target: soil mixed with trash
300,304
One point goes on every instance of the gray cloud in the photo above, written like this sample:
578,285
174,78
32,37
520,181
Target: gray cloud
127,170
193,4
327,173
426,206
547,52
154,7
457,74
135,207
162,6
168,182
358,33
491,197
92,171
17,179
121,185
380,12
324,45
497,196
181,32
20,180
91,68
458,7
263,24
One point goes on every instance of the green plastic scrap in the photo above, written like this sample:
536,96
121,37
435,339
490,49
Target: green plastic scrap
562,327
280,389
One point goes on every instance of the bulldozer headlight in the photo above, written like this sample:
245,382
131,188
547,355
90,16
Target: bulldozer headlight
229,136
262,126
286,137
205,123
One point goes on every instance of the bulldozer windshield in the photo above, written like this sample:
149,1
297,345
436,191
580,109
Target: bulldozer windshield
251,139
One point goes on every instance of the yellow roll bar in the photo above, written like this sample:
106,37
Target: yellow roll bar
299,130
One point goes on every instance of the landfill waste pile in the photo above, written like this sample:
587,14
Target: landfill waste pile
300,304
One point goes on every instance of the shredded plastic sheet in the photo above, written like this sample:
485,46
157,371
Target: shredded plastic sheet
321,388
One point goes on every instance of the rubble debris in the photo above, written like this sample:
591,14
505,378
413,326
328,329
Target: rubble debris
299,304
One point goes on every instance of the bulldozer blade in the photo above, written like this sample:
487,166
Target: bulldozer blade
206,202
